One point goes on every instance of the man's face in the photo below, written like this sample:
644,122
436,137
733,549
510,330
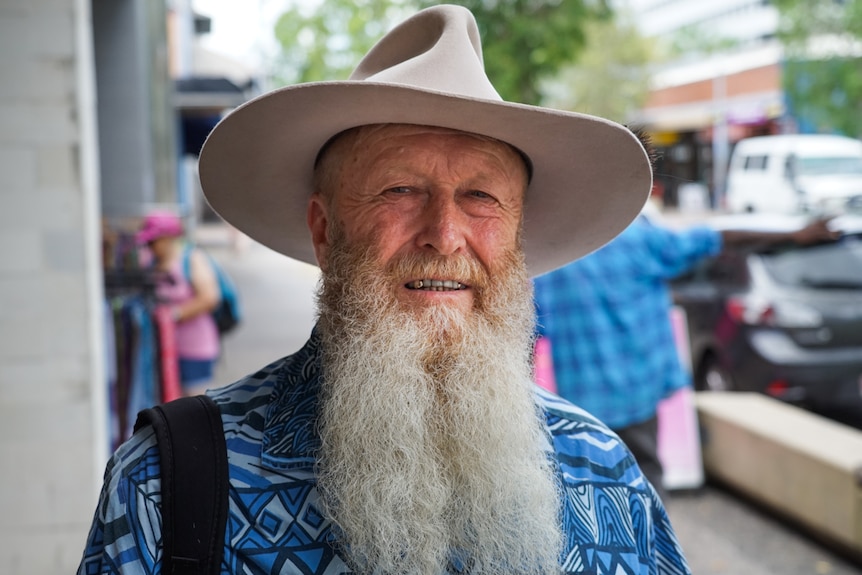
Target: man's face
409,191
431,443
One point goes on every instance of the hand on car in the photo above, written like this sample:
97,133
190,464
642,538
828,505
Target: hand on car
817,231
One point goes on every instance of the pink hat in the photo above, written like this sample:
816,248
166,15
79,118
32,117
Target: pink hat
158,225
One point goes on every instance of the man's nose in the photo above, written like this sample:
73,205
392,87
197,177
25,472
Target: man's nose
443,226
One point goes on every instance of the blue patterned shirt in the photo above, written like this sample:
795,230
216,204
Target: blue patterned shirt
607,316
614,522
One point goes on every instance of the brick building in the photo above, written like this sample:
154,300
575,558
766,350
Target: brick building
703,103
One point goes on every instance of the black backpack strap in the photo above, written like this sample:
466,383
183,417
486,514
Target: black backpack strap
194,475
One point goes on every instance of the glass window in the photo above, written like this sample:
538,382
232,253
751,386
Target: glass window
758,163
829,266
828,165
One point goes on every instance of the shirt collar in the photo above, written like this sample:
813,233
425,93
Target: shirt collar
290,439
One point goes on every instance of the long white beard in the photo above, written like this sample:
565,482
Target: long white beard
432,445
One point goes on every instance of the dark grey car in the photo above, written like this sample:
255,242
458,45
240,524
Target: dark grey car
785,321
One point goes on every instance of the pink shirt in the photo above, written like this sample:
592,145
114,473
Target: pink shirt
197,337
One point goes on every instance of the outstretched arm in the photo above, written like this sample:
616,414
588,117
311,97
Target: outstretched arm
816,232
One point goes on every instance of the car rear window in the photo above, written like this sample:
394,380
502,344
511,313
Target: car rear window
836,265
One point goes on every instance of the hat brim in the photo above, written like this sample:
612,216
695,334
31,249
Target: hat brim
591,177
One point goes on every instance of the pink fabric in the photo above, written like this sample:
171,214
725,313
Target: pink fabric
158,225
679,441
197,337
678,429
169,368
544,366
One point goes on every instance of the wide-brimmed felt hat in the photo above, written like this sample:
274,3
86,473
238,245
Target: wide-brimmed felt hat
590,176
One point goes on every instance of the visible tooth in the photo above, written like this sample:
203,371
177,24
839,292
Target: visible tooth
436,285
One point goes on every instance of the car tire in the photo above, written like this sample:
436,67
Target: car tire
713,376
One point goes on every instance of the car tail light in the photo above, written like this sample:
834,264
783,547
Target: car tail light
777,388
750,311
780,389
760,311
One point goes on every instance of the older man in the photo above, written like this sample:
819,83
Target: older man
406,436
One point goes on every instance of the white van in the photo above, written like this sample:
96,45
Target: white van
795,173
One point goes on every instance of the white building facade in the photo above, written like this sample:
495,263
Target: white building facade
703,102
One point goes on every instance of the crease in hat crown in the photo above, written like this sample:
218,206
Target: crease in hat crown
591,176
419,52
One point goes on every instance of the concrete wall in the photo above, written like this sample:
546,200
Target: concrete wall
805,467
51,412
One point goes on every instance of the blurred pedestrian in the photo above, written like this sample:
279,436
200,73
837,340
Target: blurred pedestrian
186,282
607,317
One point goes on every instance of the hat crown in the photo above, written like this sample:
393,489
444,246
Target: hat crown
437,49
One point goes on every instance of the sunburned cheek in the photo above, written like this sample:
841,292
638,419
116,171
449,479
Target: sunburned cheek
494,240
384,235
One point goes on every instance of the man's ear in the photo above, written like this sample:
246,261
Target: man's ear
317,219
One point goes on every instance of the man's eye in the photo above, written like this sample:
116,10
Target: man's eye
479,194
399,190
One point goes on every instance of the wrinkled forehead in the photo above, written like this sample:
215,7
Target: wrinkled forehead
362,137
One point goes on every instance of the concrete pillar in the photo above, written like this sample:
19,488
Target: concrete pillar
52,429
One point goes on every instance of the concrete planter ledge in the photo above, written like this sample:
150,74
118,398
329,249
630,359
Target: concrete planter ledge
802,465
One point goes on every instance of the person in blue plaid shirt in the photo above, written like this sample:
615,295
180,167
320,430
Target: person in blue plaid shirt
607,317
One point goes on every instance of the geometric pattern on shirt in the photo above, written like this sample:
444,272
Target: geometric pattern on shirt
275,524
612,512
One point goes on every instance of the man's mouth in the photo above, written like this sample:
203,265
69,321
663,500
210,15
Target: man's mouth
435,285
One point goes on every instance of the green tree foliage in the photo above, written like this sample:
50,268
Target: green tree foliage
526,41
611,77
801,21
826,95
823,68
326,41
523,40
698,40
